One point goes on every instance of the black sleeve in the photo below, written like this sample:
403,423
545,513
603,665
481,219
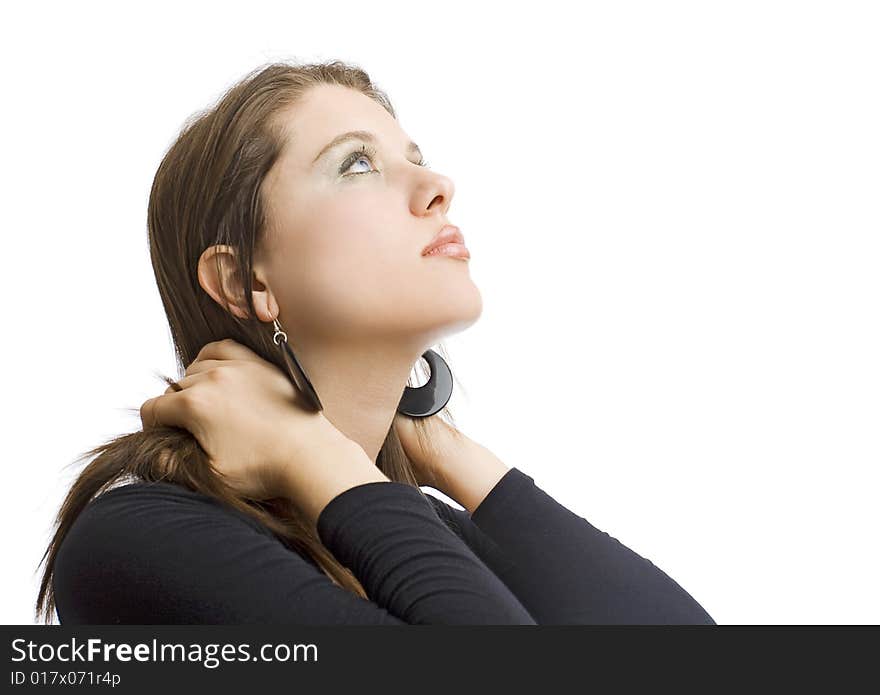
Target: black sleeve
157,553
562,568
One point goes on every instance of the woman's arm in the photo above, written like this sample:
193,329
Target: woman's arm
152,553
562,568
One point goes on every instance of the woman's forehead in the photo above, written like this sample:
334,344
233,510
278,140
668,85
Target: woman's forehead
327,113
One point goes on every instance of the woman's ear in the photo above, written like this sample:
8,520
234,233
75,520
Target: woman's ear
219,276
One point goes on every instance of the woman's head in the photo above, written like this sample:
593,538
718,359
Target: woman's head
244,210
341,252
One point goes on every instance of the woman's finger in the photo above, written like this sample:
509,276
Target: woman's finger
198,366
167,409
183,383
226,349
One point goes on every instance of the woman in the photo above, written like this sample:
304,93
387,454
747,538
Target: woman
273,484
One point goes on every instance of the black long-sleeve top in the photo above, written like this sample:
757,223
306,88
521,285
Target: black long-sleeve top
156,552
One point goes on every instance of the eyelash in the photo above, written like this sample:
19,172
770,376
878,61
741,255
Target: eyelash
368,152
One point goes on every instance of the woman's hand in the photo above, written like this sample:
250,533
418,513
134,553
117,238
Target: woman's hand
250,420
450,461
442,443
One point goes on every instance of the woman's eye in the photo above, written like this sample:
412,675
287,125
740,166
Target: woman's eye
367,153
356,156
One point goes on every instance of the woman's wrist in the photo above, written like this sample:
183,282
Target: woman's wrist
336,469
469,475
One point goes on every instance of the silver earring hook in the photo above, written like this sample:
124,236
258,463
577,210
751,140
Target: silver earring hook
278,333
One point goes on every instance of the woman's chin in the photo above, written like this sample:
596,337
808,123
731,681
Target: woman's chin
459,312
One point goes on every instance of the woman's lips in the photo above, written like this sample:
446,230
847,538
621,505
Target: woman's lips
452,249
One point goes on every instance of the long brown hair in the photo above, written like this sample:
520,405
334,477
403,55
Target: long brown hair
208,190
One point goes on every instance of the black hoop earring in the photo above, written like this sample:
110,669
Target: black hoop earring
424,401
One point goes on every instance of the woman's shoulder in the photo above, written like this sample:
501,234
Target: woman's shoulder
146,551
137,502
151,520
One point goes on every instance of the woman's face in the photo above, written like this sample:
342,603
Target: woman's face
342,253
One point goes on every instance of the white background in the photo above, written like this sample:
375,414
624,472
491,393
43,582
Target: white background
672,210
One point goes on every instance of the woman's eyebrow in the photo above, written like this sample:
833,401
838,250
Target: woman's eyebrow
357,135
